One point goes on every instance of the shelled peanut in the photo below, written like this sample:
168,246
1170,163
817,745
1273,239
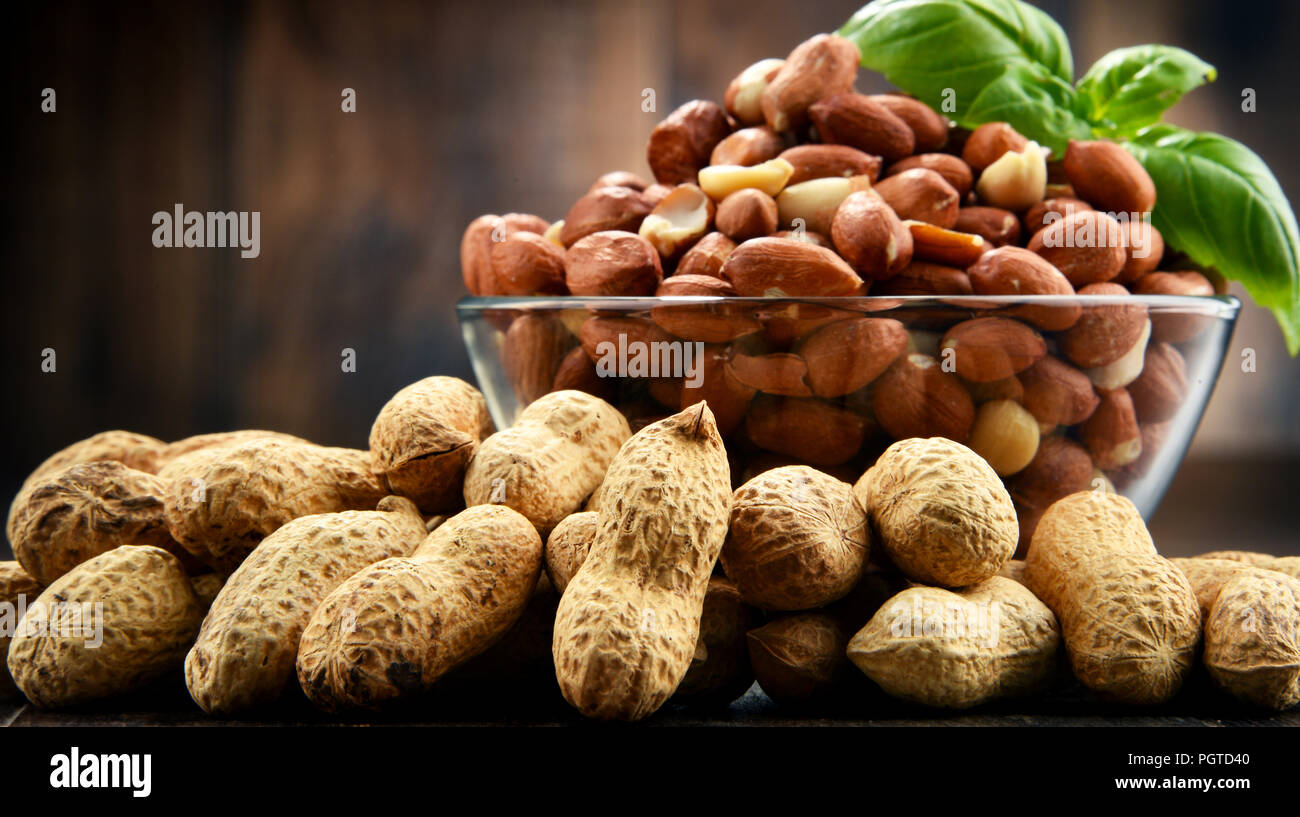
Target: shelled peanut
1004,644
244,654
629,620
797,186
16,587
1129,617
109,625
391,630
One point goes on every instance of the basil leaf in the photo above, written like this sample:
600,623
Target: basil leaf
1218,202
1038,105
1130,88
949,50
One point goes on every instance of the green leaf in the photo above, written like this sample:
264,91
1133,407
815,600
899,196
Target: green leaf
1130,88
1038,105
1003,60
1218,202
947,51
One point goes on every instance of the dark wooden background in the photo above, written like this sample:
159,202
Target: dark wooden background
463,108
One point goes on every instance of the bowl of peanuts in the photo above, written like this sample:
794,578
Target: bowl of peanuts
831,382
833,271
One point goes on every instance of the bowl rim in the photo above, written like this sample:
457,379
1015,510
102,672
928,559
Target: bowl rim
1220,306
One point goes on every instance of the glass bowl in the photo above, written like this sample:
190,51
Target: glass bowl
831,382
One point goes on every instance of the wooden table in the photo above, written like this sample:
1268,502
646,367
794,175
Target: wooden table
168,705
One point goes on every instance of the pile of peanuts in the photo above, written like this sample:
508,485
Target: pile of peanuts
835,509
799,187
568,556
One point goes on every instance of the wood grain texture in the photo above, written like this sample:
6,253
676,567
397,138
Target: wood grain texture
462,109
169,705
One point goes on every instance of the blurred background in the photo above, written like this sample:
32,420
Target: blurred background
461,109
